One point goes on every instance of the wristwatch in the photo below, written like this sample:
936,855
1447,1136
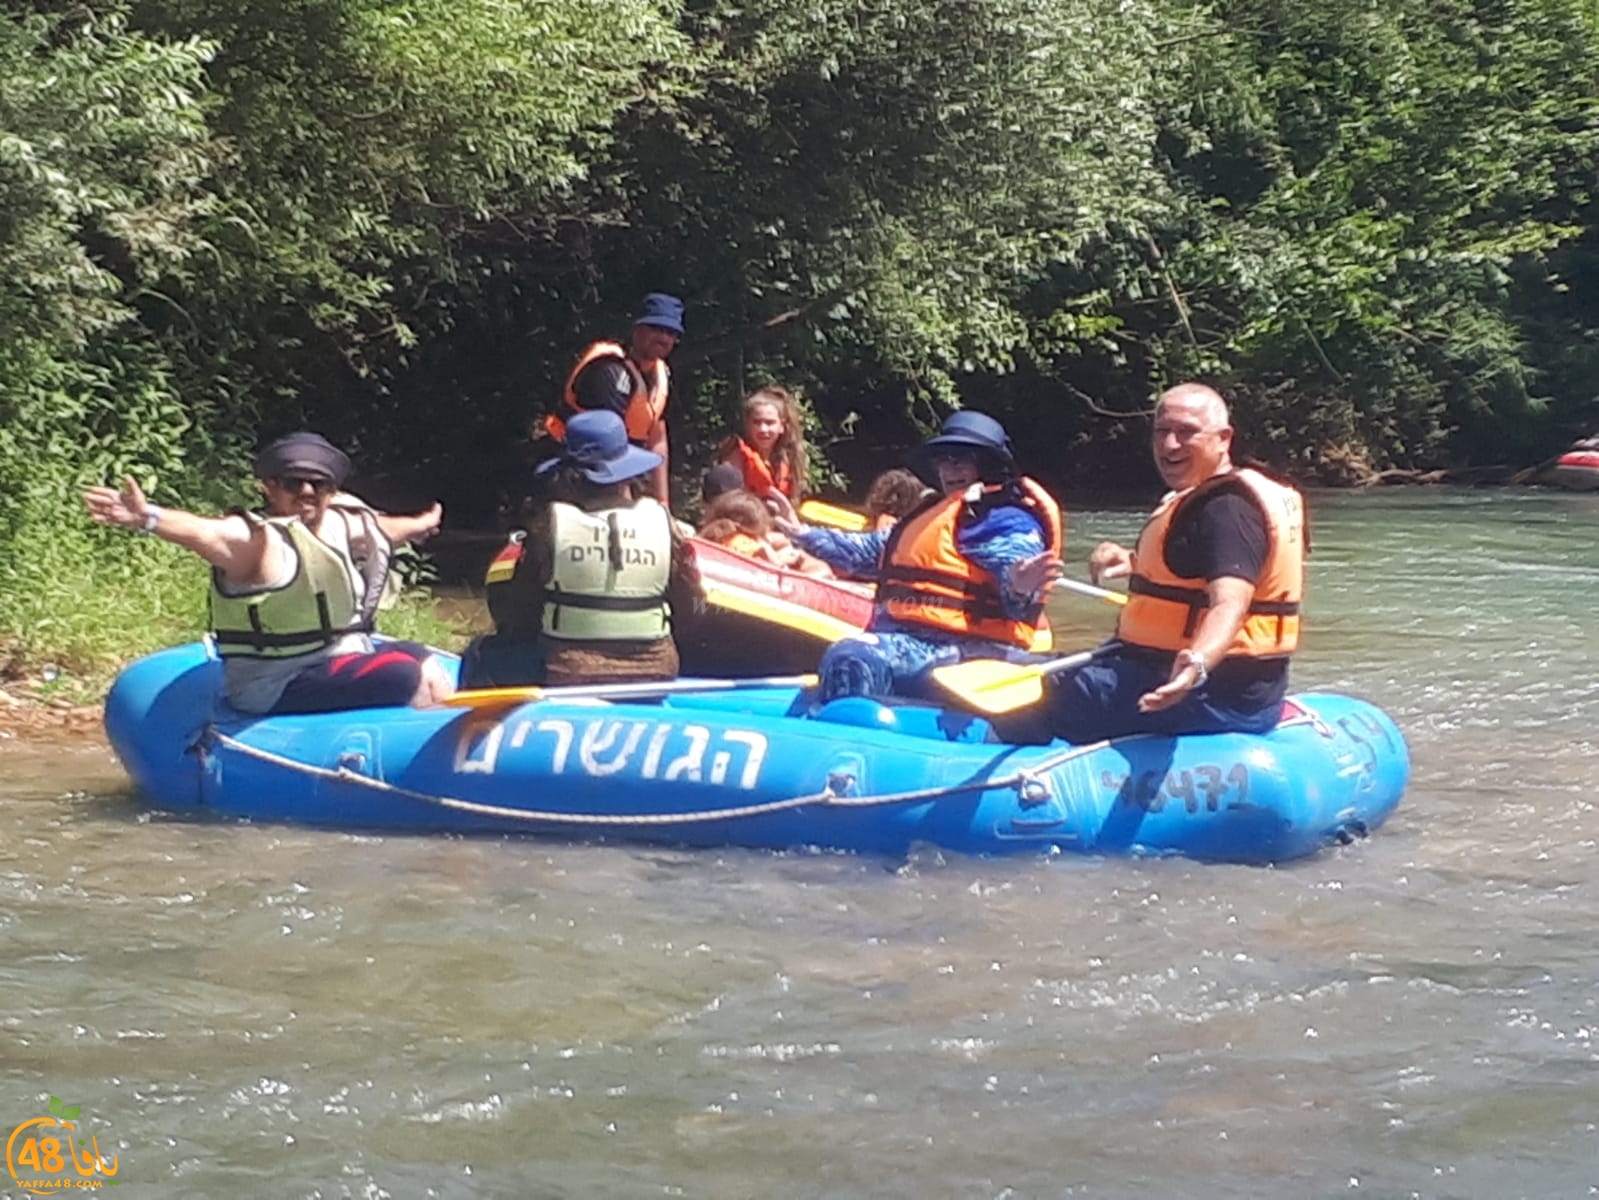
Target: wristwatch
1193,658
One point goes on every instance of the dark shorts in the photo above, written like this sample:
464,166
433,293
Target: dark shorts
495,660
1100,701
386,678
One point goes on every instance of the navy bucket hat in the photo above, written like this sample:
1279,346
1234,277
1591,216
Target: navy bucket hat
596,443
303,455
968,430
662,311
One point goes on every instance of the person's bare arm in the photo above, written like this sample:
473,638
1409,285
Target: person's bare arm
1110,561
412,528
1229,607
238,548
1033,577
784,518
659,478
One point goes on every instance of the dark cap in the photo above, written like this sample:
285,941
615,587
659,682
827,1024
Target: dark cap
596,443
720,479
662,311
303,455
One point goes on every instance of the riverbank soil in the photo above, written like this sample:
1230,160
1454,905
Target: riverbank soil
27,710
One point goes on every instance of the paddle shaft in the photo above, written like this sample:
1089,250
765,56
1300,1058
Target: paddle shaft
667,687
1088,589
1056,665
643,689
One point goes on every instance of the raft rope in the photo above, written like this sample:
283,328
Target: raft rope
1026,781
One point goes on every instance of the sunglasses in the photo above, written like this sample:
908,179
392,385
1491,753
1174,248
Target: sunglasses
295,484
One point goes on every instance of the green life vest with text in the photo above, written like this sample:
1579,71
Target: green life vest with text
611,567
313,610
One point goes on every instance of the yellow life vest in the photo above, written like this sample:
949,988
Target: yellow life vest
609,575
313,610
645,407
1164,609
926,580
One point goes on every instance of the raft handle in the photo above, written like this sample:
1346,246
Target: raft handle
1033,791
1351,831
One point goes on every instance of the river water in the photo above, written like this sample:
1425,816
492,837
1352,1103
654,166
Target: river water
249,1011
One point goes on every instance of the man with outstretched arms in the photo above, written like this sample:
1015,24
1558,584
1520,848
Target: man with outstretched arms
294,589
1214,591
631,381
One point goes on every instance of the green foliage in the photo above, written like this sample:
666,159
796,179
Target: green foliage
102,146
418,617
1400,162
897,175
373,142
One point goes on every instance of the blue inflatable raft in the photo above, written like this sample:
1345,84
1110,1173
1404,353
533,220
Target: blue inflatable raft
748,768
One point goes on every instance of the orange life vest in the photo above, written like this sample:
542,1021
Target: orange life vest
925,580
746,544
643,410
760,476
1164,609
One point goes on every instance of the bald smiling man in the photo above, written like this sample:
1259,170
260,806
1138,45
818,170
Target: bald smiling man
1214,590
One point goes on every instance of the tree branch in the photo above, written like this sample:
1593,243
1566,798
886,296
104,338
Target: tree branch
774,326
1094,406
1171,286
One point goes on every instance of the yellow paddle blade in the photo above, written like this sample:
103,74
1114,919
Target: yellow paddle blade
818,512
502,697
991,685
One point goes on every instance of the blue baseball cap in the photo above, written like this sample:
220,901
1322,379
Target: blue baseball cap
662,311
596,443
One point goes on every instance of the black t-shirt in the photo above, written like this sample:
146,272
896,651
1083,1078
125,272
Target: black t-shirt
1220,533
1223,533
605,384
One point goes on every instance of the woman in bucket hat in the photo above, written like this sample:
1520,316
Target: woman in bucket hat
963,575
604,577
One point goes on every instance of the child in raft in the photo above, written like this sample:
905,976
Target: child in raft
892,495
770,449
740,521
